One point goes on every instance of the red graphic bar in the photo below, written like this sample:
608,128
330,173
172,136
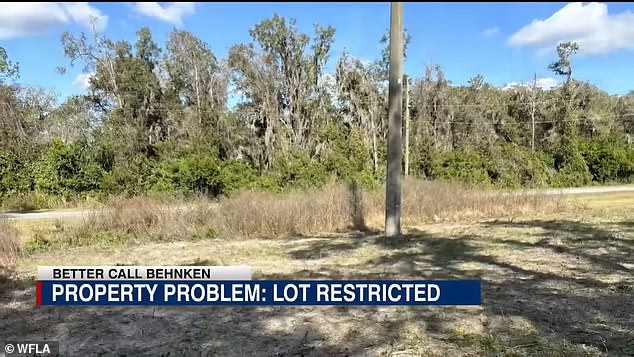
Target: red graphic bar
38,293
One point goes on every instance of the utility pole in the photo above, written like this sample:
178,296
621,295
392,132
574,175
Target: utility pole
395,124
406,119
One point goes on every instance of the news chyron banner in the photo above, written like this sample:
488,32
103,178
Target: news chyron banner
233,285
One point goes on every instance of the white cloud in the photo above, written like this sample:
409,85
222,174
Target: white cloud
365,62
83,13
19,20
172,13
82,81
545,83
490,31
590,25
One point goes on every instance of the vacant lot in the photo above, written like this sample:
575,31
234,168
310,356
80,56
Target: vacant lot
557,276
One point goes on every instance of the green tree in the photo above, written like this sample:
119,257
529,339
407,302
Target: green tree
8,69
125,86
360,101
281,81
562,66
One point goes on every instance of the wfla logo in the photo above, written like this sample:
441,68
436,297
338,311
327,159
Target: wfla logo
38,348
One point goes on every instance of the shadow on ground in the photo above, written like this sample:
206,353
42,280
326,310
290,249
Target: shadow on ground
525,311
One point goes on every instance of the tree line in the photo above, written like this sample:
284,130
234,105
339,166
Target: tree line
158,119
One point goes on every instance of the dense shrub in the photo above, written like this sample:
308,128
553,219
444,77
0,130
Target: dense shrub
514,166
78,170
299,170
349,157
129,177
14,175
573,171
608,160
464,164
67,169
203,174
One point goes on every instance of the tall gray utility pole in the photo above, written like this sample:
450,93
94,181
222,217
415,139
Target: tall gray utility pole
395,124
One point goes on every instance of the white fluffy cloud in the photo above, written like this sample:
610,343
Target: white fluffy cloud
544,83
490,31
590,25
172,13
547,83
19,20
82,81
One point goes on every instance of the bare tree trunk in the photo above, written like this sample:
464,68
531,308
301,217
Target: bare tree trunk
197,84
533,104
114,83
406,118
375,155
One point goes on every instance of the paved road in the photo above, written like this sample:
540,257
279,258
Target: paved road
59,214
45,214
566,191
579,190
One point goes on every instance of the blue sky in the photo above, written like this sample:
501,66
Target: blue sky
505,42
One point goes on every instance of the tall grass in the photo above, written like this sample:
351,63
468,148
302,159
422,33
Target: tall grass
260,214
431,201
9,244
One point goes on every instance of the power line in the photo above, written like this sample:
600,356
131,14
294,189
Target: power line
553,121
460,105
164,107
593,118
175,108
178,111
477,122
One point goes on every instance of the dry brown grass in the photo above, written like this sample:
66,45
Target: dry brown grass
338,207
434,201
142,219
254,213
138,216
335,208
9,244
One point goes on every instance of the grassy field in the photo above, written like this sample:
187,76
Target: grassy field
557,274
